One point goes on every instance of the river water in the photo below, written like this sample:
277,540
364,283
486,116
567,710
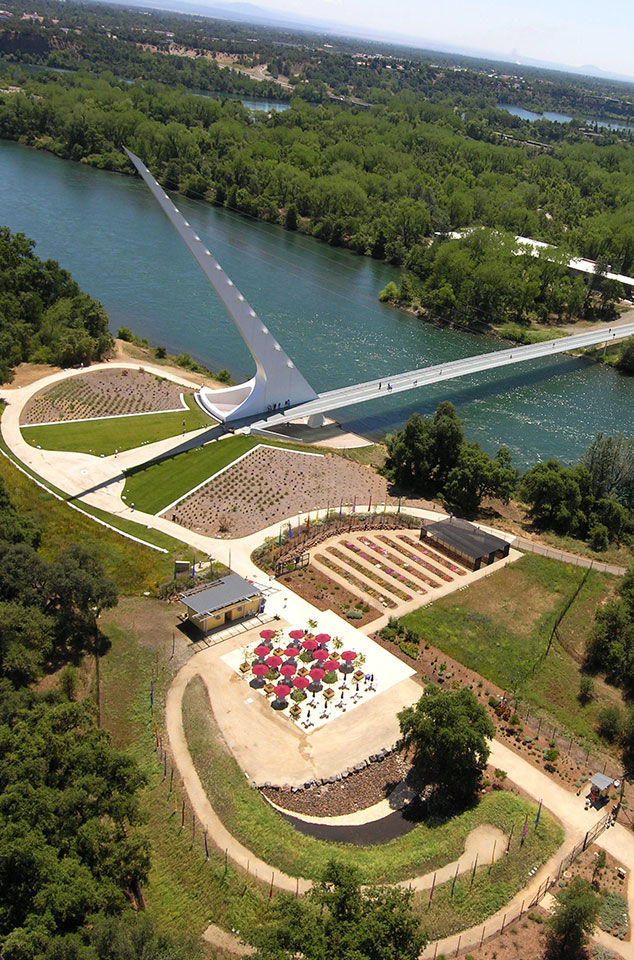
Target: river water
320,302
559,117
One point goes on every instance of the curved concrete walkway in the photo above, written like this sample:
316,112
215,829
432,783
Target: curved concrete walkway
481,840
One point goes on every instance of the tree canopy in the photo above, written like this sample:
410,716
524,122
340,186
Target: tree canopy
431,457
44,316
447,732
339,920
573,920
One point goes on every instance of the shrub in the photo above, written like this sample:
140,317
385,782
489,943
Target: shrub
124,333
160,353
599,537
354,614
493,702
610,723
551,755
330,677
586,689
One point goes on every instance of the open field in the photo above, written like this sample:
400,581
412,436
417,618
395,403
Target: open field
258,826
102,393
103,437
500,627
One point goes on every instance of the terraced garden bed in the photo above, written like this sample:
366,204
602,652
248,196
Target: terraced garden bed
355,582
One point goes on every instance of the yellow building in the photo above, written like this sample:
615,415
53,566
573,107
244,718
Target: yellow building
226,600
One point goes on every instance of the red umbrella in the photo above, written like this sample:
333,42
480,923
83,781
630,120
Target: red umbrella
281,691
291,651
323,638
321,654
260,669
301,682
317,674
267,634
273,661
288,669
310,644
331,665
262,650
348,655
297,634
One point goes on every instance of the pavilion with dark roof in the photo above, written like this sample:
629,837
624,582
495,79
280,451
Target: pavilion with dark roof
464,542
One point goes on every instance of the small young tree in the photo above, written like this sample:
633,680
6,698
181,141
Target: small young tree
572,921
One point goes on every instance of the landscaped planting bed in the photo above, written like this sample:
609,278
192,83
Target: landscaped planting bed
399,562
103,393
370,574
442,574
431,554
272,484
389,571
313,585
355,582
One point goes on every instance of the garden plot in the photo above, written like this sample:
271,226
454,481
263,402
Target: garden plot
271,484
103,393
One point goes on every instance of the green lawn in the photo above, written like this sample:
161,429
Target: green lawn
247,815
106,435
500,626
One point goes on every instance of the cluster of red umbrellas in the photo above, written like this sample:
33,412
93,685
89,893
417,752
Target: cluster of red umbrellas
288,668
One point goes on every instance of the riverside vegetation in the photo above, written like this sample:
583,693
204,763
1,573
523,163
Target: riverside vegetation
380,181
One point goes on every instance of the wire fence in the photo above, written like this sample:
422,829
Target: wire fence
529,902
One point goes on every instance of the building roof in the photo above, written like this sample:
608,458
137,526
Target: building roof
465,537
222,593
601,782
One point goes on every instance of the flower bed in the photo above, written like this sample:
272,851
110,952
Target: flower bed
430,553
354,581
442,574
398,561
370,574
383,567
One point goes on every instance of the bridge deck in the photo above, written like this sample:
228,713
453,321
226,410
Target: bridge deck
425,376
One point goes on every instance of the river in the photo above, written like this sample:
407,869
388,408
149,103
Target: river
559,117
319,301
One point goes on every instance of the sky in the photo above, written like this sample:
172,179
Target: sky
560,31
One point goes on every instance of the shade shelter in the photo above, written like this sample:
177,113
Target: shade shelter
464,542
600,786
227,600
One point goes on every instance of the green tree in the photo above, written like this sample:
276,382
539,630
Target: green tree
448,732
572,921
342,921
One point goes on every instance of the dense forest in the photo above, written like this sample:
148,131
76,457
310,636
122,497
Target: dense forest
177,48
378,181
44,316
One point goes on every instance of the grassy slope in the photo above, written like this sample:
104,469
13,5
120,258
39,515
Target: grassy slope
104,436
133,566
184,892
269,836
500,626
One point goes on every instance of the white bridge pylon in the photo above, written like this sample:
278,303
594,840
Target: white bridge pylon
277,384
